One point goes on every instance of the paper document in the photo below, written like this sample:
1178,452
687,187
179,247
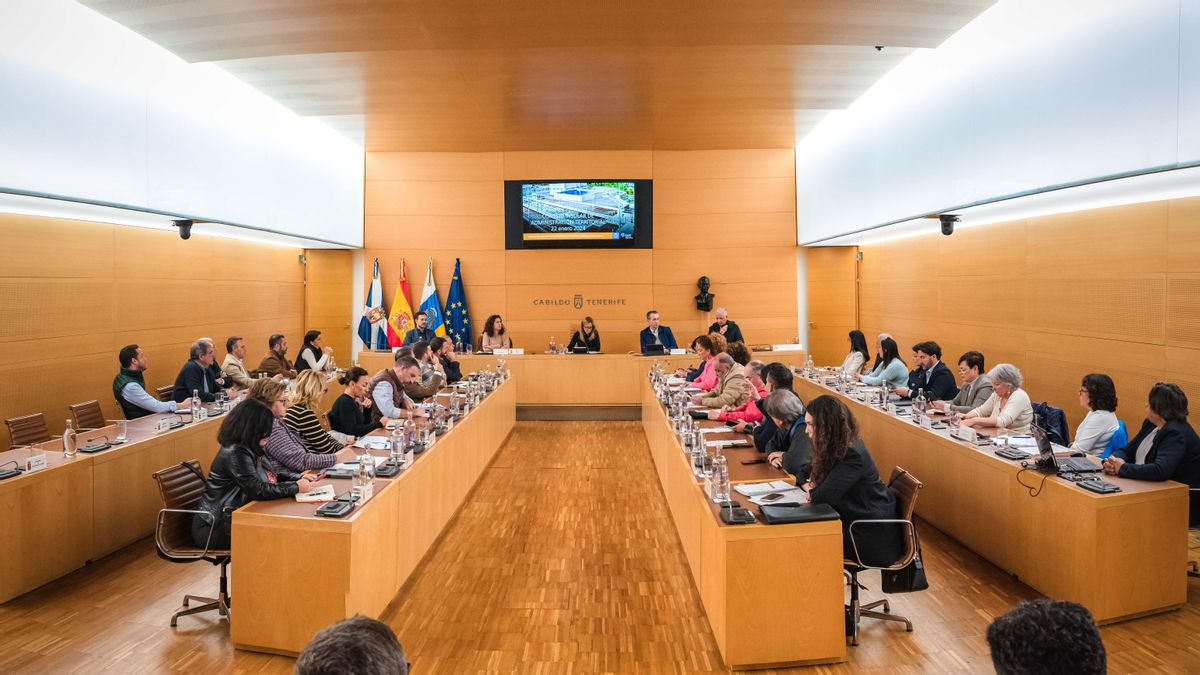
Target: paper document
353,465
753,489
732,443
695,406
1023,442
694,390
792,496
325,493
374,443
674,381
718,430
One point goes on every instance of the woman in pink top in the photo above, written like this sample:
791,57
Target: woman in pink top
712,344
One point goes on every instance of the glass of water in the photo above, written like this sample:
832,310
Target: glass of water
122,431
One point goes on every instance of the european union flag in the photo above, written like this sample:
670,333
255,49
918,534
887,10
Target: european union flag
458,321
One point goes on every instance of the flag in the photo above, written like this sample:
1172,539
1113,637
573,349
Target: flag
458,321
370,328
400,320
430,305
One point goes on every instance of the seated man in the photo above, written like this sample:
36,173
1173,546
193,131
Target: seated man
415,335
195,376
357,645
443,349
931,375
725,327
748,411
655,334
731,385
213,369
233,366
387,389
976,387
275,362
1046,637
432,378
775,376
129,387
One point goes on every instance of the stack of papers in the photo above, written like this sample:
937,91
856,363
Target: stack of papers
717,430
374,443
754,489
732,443
324,493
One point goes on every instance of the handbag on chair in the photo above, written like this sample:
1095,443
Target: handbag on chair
907,579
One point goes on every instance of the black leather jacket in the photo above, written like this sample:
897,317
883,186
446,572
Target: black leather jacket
236,478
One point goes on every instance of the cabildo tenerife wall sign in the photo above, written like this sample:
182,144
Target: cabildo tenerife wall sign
578,302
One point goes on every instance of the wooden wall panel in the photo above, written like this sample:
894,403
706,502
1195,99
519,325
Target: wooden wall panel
73,293
328,279
727,214
1113,290
832,301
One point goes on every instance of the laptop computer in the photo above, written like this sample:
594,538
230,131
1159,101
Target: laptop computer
654,350
1046,462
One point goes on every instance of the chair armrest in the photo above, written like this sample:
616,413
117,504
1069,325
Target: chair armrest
910,532
203,514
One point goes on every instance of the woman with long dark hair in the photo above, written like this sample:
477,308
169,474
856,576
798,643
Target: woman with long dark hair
894,372
494,335
858,356
237,475
844,476
313,356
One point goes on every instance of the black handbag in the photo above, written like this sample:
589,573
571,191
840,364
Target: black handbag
907,579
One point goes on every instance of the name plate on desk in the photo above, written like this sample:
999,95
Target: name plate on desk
162,425
501,352
964,433
35,462
790,347
678,352
926,423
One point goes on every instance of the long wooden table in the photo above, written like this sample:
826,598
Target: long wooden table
294,573
773,594
577,380
1121,555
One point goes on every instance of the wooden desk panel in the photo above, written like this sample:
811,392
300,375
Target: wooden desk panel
773,594
290,563
1066,542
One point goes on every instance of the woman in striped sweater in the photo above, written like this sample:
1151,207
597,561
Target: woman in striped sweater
300,418
285,447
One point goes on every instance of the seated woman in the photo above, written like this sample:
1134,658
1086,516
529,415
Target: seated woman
494,335
284,447
748,412
1166,448
300,418
894,372
312,355
791,449
844,476
857,358
1008,408
587,336
1098,395
237,475
879,362
703,348
708,377
349,412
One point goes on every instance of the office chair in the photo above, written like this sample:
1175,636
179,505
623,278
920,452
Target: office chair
165,393
27,429
87,415
181,487
905,487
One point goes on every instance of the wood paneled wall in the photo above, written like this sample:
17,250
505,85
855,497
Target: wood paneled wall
328,277
1113,290
730,215
73,293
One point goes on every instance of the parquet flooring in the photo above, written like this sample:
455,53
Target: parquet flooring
563,560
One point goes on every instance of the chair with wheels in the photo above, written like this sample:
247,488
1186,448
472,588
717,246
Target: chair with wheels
27,429
182,487
905,488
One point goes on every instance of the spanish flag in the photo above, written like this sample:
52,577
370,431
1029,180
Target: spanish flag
400,321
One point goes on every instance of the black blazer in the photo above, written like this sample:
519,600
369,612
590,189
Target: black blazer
192,377
797,451
592,343
854,490
941,387
347,416
1174,455
764,432
453,369
235,478
732,332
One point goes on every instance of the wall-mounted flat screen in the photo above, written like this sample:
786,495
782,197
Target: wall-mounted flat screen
578,214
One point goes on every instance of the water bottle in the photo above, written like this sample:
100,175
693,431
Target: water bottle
396,449
410,432
698,454
920,403
883,395
552,347
69,442
720,471
710,486
195,405
360,483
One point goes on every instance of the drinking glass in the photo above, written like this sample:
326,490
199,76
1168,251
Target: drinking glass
122,431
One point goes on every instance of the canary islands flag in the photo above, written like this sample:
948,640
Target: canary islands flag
370,326
400,319
458,321
430,304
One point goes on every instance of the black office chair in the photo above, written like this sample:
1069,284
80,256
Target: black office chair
181,487
905,487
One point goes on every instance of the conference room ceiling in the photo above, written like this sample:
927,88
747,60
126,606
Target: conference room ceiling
477,75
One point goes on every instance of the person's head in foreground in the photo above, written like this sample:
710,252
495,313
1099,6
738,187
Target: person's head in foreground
1046,636
354,646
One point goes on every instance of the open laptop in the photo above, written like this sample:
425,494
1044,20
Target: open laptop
1046,462
654,350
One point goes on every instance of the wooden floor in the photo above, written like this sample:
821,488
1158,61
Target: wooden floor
563,560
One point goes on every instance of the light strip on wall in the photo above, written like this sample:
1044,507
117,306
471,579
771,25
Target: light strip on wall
1138,189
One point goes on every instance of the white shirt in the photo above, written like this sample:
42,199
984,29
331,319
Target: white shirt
853,363
1143,448
1094,432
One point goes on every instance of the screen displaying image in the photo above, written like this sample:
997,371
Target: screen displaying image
578,211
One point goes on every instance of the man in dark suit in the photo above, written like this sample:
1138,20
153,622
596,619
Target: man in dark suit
655,334
729,329
420,333
931,375
196,374
1166,448
444,349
